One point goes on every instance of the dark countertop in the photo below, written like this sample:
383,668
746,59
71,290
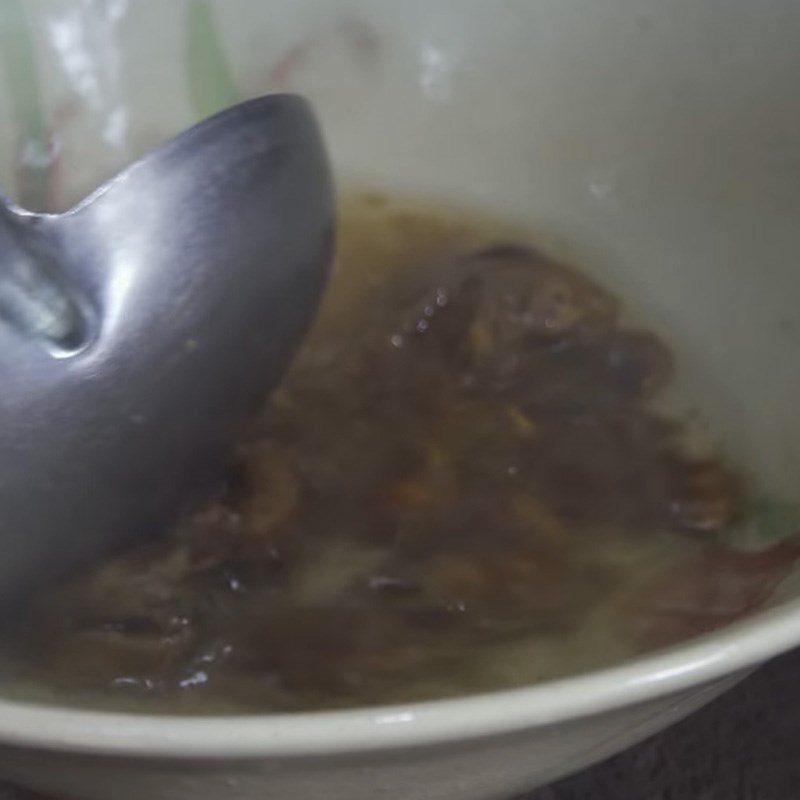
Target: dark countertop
744,746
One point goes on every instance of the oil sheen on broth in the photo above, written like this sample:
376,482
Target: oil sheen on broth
463,485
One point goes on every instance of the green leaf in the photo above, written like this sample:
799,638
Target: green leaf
773,520
209,78
18,63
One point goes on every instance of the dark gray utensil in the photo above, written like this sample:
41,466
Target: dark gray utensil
139,330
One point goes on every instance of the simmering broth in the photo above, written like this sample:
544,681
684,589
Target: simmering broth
463,485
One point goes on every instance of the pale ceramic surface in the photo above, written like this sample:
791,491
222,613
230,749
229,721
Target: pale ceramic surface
655,140
484,769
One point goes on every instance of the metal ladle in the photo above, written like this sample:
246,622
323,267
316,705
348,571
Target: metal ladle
140,329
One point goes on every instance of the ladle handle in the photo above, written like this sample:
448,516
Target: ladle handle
31,299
